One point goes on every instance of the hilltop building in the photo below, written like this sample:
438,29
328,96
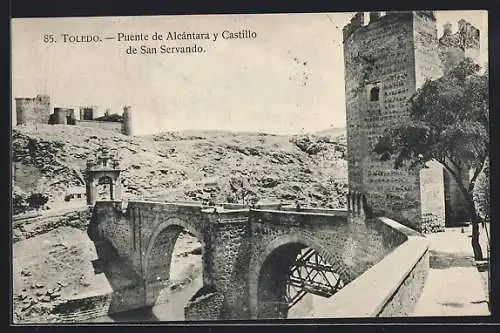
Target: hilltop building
30,111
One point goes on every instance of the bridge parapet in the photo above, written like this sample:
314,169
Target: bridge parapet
291,216
322,211
218,216
392,292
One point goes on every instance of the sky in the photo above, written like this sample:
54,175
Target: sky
287,80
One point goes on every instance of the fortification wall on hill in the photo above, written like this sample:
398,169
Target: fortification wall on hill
106,125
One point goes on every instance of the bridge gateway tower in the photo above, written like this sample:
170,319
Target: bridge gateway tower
385,61
103,171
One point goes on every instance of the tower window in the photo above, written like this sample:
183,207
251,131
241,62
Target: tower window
374,94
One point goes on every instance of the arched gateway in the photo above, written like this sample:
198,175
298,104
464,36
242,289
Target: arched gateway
103,171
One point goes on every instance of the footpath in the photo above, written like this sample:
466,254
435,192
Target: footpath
454,286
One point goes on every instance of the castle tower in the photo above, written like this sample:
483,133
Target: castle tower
453,48
23,107
33,110
70,114
127,128
61,116
88,112
385,62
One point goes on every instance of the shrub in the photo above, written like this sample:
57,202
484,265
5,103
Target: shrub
37,200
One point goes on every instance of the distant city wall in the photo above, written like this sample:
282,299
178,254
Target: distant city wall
106,125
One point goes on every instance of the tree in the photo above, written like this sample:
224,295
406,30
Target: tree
448,123
37,200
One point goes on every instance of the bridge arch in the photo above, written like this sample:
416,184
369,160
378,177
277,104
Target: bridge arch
268,281
158,256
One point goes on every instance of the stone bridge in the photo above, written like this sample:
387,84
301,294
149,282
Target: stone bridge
256,261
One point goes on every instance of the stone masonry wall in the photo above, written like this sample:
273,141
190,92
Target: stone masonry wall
350,247
106,125
235,246
427,63
432,198
385,62
390,237
30,227
144,235
150,218
405,298
33,110
84,309
428,66
453,48
380,55
229,262
456,205
115,227
393,284
132,231
206,307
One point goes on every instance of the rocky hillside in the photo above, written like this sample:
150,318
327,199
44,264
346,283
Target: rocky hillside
223,166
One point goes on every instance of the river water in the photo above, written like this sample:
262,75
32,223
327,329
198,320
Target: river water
170,310
173,308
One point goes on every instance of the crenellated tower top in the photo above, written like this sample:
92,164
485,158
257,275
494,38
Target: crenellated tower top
358,20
